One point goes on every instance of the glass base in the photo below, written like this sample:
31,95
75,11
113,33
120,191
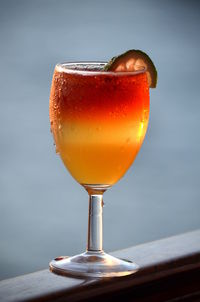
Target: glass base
92,264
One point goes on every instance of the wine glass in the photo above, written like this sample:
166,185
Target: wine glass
98,120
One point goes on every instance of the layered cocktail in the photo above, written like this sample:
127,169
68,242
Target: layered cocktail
98,119
99,116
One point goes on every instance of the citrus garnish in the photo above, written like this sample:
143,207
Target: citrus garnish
133,60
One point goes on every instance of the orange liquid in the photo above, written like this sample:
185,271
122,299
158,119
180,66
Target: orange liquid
98,122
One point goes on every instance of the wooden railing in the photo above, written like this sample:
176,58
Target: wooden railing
169,271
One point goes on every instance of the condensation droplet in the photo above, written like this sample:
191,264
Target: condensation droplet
51,127
57,150
98,128
72,127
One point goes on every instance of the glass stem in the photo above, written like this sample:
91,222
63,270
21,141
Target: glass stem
95,225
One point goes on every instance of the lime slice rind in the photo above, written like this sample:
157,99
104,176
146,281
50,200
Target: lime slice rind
132,60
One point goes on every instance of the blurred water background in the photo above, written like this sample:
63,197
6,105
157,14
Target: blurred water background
43,211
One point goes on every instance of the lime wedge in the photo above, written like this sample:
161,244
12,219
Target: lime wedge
133,60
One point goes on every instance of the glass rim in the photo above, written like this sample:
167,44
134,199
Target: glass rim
62,67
